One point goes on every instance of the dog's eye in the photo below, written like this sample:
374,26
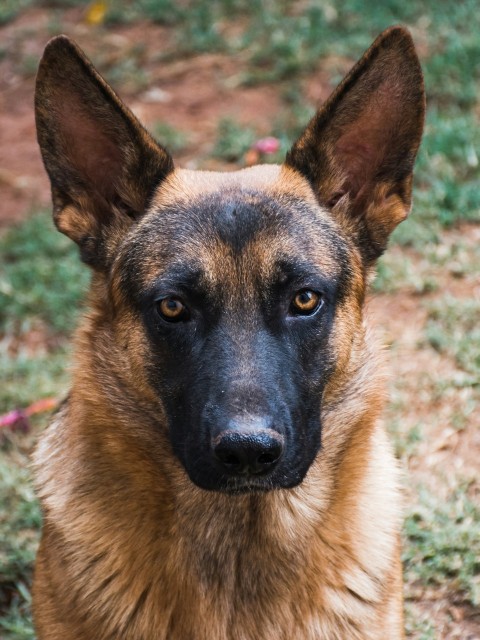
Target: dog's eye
306,302
172,309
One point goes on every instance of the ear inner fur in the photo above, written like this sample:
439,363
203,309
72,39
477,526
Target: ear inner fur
103,165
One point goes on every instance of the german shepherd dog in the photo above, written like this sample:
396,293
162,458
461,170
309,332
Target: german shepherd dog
217,471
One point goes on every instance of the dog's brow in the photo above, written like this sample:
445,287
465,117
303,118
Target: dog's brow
291,270
179,276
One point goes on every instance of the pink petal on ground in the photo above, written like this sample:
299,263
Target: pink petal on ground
267,145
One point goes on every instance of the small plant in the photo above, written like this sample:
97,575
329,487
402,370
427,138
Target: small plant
129,71
9,9
233,140
19,532
443,544
173,139
453,328
42,279
41,285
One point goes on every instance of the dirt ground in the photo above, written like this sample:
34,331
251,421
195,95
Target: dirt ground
192,95
182,94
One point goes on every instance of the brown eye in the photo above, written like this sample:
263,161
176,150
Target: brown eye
306,302
172,309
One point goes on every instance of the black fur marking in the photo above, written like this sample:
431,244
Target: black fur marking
241,351
235,219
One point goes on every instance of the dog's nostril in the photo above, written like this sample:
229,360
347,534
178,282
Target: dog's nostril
254,453
228,458
266,458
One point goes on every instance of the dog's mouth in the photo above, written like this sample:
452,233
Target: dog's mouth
242,485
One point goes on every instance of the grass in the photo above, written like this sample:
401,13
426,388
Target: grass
443,544
397,271
453,328
9,9
42,281
233,140
129,72
19,526
420,628
282,42
173,139
41,285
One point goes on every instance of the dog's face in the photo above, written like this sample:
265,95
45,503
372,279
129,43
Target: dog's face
237,293
235,297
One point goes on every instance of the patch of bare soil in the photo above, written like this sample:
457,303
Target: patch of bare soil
415,366
454,620
191,94
446,451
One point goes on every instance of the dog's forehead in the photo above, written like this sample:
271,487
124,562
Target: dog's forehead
248,221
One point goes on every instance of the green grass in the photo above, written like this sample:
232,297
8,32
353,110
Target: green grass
19,531
128,70
453,328
233,140
397,272
9,9
420,628
42,281
161,11
27,377
41,285
443,543
283,41
173,139
446,178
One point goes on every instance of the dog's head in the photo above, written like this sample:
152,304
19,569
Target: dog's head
235,299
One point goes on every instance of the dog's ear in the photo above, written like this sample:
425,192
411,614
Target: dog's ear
103,165
358,151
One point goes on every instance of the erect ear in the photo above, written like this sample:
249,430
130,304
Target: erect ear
358,151
103,165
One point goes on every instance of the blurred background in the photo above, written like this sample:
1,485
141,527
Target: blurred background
225,84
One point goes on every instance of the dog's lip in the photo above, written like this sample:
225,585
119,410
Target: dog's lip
247,484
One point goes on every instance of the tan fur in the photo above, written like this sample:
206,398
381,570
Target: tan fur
131,548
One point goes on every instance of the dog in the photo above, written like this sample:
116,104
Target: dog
218,471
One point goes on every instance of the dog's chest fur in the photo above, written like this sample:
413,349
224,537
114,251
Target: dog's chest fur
259,567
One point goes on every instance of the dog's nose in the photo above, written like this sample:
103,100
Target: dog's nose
248,452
